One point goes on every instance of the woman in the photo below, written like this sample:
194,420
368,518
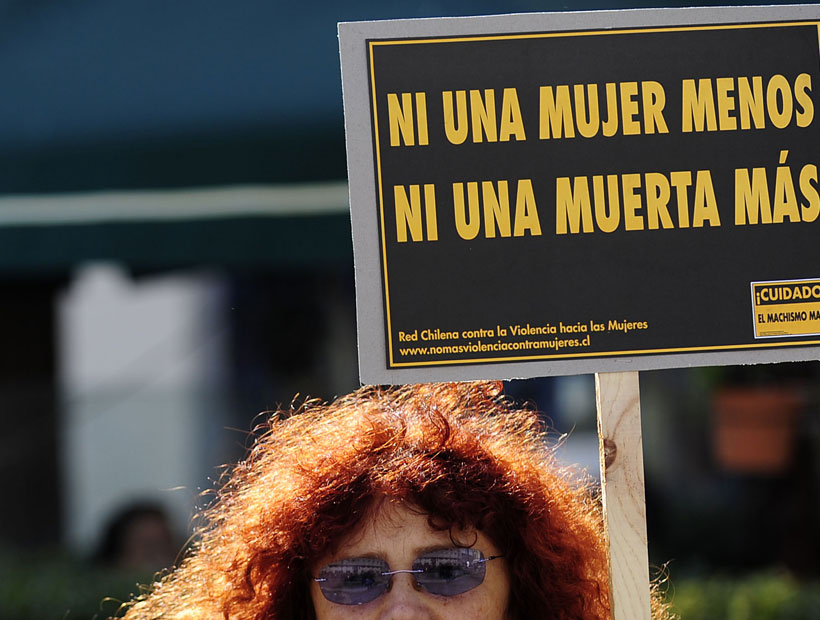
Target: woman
427,501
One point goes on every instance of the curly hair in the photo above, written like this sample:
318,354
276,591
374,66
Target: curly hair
460,453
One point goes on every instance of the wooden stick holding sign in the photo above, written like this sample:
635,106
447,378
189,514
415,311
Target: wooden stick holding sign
622,481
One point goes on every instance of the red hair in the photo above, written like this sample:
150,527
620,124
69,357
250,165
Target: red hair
458,452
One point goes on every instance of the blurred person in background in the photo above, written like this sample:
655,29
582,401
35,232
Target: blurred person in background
138,538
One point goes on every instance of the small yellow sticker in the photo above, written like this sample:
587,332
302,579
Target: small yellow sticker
785,308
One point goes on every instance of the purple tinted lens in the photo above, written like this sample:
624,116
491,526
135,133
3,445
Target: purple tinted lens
354,581
448,572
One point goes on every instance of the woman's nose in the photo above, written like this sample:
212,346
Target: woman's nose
405,600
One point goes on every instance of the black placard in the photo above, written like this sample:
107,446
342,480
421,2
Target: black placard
632,236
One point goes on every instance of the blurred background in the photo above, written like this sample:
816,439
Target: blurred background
175,258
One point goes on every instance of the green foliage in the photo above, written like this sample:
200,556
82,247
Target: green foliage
52,586
757,597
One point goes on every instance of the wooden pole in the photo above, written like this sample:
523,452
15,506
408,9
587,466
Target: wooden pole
621,452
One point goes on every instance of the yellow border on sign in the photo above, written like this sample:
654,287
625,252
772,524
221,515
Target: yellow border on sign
530,358
543,35
381,207
585,33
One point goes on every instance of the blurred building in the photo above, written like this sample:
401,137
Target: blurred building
175,250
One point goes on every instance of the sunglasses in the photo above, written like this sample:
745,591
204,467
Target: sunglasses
444,572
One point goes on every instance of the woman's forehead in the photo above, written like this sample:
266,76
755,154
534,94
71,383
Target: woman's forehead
393,528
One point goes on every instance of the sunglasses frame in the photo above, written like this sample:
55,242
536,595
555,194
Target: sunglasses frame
380,589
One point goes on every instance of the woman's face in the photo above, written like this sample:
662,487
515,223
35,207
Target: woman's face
398,535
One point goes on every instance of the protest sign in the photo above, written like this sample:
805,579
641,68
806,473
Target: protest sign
565,193
572,193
